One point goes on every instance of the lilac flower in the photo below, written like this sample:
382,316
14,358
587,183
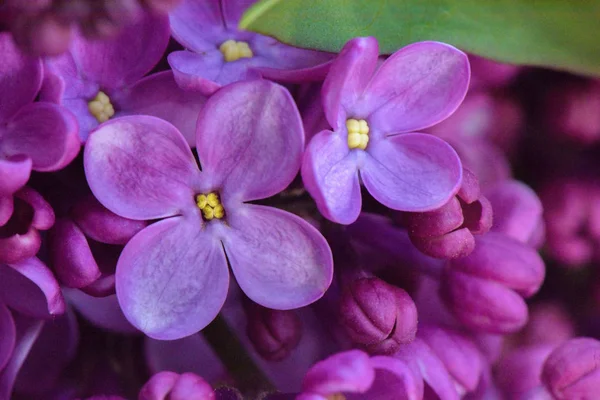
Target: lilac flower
39,136
172,277
99,80
372,113
218,53
169,385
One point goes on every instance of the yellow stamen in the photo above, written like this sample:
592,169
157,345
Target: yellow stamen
101,108
233,51
210,206
358,133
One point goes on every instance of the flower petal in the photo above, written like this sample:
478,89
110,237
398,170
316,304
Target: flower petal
44,132
233,10
7,335
30,288
329,173
14,173
125,58
140,167
350,371
393,378
160,96
172,279
250,140
418,86
279,260
20,78
199,25
348,77
412,172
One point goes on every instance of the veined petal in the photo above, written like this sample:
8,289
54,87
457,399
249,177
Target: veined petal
140,167
20,78
172,279
199,25
412,172
125,58
30,288
348,77
250,140
350,371
7,335
417,86
160,96
14,174
44,132
279,260
330,174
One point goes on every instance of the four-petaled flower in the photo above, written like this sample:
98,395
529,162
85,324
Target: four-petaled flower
172,277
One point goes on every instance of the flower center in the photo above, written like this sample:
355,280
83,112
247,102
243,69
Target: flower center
358,133
101,108
210,205
233,51
337,396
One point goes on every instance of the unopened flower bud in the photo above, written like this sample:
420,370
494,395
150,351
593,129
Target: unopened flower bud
274,333
571,371
378,316
172,386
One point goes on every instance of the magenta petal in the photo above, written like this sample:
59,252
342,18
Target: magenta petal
160,96
172,279
30,288
412,172
140,167
7,335
329,173
126,57
418,86
20,78
350,371
14,174
43,214
250,140
394,378
279,260
44,132
199,24
348,77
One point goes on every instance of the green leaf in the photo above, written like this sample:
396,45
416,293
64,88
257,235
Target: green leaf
562,34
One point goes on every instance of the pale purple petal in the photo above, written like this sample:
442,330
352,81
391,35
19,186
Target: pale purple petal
7,335
199,24
79,108
30,288
416,87
126,57
350,371
14,173
330,174
103,312
44,132
347,79
411,172
140,167
20,78
279,260
172,278
250,140
63,80
233,10
160,96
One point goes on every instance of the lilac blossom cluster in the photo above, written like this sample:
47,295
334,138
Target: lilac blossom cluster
175,193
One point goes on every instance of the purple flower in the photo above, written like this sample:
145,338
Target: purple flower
169,385
99,80
372,114
172,277
39,136
218,53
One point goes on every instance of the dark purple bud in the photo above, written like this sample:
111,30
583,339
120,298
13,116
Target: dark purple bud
487,73
378,316
571,371
484,290
274,333
172,386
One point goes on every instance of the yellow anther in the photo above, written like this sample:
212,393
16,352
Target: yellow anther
101,108
358,133
233,51
210,206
